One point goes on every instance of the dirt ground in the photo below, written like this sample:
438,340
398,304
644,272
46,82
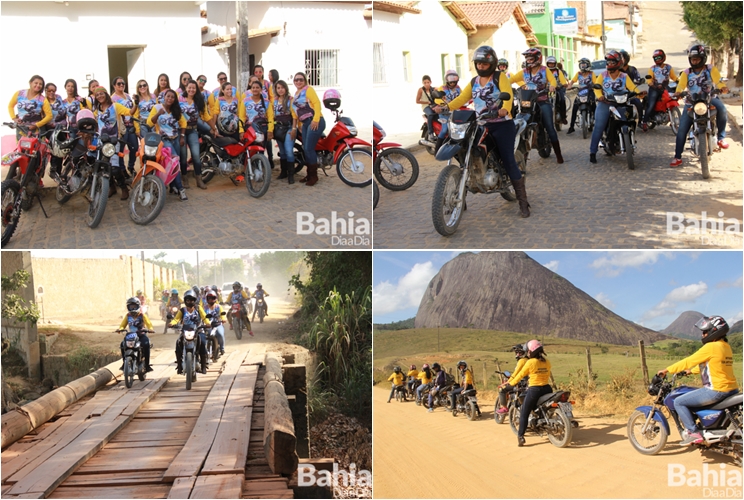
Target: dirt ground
456,458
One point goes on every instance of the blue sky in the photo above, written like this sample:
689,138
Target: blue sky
650,288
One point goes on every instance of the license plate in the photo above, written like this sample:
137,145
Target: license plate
583,99
526,104
567,409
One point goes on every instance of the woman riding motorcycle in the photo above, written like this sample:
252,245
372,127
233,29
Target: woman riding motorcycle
425,375
137,322
560,91
451,91
439,383
634,75
238,294
507,389
192,316
218,314
466,382
716,363
412,375
584,78
397,379
660,74
484,89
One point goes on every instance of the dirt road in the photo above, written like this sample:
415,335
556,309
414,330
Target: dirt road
455,458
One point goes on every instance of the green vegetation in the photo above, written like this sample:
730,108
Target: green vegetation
14,307
396,325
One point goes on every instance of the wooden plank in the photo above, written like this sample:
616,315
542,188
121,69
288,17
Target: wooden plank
230,449
137,491
252,487
192,456
168,414
147,444
219,486
256,356
110,479
55,469
182,487
130,459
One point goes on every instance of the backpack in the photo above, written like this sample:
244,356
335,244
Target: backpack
449,379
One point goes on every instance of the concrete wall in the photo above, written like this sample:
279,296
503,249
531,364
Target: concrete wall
24,336
508,41
93,288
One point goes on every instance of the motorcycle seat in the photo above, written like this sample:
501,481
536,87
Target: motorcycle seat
736,399
469,392
224,141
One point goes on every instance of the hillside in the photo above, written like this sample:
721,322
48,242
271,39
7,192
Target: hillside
684,326
509,291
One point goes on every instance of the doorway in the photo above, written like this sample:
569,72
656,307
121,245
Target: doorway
127,62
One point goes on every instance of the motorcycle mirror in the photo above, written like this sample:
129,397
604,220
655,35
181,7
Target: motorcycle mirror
648,77
437,94
597,86
504,96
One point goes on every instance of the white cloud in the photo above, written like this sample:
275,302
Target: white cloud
604,299
680,295
736,317
552,265
615,262
388,297
737,283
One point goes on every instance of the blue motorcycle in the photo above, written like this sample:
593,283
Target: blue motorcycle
719,424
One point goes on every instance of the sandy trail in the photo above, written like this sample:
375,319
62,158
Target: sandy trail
456,458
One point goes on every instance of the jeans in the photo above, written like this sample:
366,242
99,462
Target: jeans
653,96
192,143
504,134
445,130
508,389
392,391
601,118
432,392
456,392
286,148
696,399
430,117
310,139
560,101
418,391
686,121
130,137
546,111
220,334
530,403
144,130
175,146
203,127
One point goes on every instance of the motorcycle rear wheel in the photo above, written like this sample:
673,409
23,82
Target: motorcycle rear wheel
98,204
562,438
500,418
375,195
514,419
128,373
9,191
408,165
470,411
354,167
147,199
445,215
210,164
258,183
638,439
61,196
189,369
703,150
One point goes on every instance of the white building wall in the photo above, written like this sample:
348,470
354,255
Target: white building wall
79,35
426,36
509,42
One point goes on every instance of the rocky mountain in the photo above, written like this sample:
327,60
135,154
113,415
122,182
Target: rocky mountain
736,328
509,291
684,326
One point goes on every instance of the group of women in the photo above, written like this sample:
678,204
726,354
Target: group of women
179,115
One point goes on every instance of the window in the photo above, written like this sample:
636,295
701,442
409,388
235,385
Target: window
458,63
321,67
407,67
445,65
378,63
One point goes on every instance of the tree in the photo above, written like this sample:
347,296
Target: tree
717,24
14,306
346,272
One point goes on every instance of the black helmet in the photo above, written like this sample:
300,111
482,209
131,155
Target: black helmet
396,369
436,367
713,328
462,363
655,387
189,296
519,351
697,51
625,55
584,64
133,305
503,62
485,54
196,290
237,286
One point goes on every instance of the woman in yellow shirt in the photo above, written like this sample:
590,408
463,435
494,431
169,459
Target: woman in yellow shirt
169,122
538,369
715,361
34,110
310,117
521,360
466,382
397,379
193,108
425,376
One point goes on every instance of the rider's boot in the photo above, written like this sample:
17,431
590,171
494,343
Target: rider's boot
312,174
438,145
290,172
283,169
557,149
521,191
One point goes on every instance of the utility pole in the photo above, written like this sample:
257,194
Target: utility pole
604,37
197,268
437,338
242,53
632,42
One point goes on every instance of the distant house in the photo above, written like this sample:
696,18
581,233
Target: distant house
617,16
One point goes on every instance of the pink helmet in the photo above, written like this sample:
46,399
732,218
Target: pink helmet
533,345
451,76
86,122
84,113
331,94
332,99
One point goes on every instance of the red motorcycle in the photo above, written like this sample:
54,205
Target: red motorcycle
339,147
428,142
24,180
666,109
238,160
394,167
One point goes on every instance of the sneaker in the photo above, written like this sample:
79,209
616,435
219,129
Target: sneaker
250,332
570,131
723,144
676,162
692,438
222,352
644,126
502,410
520,441
182,194
179,370
593,157
430,410
149,368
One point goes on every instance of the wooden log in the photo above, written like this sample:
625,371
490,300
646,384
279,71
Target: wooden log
273,368
18,423
280,442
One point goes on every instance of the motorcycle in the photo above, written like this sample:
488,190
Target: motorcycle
553,416
236,315
720,424
400,393
342,148
260,309
472,173
436,126
24,180
467,403
666,109
172,311
441,398
512,399
189,359
586,111
134,364
394,167
619,136
238,160
704,131
557,117
530,112
375,195
213,345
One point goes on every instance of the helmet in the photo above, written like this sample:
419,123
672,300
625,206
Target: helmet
536,56
485,54
139,292
396,369
425,366
215,289
584,64
462,363
614,60
659,57
196,290
237,286
451,76
174,291
697,51
436,366
259,285
133,306
714,326
626,57
519,350
524,64
332,99
655,387
86,122
189,296
503,62
413,367
211,295
62,142
534,347
551,60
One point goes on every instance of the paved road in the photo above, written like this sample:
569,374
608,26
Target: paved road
223,216
577,204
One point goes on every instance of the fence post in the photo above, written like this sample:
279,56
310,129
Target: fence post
588,366
642,350
485,377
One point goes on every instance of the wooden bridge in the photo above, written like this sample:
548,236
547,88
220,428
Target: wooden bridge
231,436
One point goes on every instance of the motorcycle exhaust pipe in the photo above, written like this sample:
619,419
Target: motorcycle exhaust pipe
426,143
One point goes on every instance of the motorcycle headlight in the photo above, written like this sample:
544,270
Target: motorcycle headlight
259,137
130,344
353,130
189,334
621,99
108,150
583,98
457,130
151,150
700,108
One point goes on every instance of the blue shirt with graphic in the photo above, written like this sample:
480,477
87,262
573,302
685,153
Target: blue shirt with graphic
484,98
612,86
29,110
127,102
168,124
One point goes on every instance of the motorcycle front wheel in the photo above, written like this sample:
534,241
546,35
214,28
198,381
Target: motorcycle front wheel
97,204
500,418
189,369
562,432
375,195
210,164
628,150
396,169
147,199
238,327
675,115
128,373
514,419
354,167
544,148
584,125
703,154
8,192
60,194
445,213
652,440
258,175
